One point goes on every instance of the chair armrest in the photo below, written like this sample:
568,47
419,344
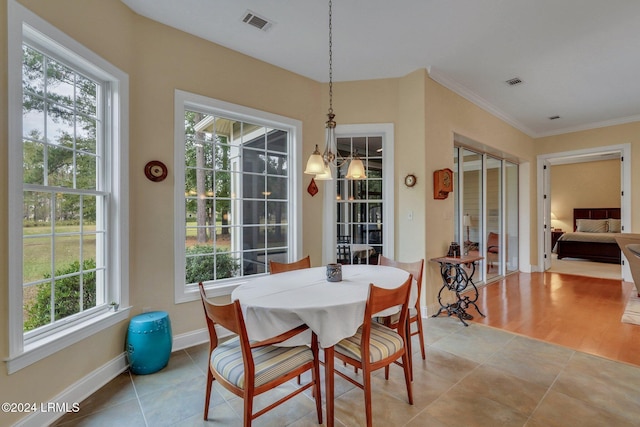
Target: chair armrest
280,338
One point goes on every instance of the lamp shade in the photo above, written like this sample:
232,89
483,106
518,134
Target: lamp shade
315,164
356,169
325,175
466,220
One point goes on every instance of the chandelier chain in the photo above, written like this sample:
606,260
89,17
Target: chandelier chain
330,62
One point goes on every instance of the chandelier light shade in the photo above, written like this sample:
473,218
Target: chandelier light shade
356,169
315,164
320,164
325,175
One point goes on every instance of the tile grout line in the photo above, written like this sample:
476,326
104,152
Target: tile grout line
135,390
530,418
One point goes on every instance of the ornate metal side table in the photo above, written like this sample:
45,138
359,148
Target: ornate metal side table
455,278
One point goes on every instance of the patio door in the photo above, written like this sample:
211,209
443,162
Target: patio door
359,213
486,207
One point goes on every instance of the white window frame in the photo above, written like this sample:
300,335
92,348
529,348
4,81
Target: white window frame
22,25
184,101
386,131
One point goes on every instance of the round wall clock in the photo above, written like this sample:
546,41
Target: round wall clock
155,170
410,180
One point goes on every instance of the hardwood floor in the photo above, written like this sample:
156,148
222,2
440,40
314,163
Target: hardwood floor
581,313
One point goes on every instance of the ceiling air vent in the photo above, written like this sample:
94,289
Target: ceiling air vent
254,20
514,81
554,117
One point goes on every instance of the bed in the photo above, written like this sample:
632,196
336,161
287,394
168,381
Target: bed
593,238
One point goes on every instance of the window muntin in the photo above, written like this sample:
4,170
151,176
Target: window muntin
236,196
64,225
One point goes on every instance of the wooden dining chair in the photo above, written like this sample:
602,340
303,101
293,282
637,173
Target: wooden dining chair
375,346
343,250
416,269
493,249
281,267
249,368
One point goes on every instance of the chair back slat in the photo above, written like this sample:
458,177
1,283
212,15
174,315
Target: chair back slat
225,315
281,267
383,298
416,269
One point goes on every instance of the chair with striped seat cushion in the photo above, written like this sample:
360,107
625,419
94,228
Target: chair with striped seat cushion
376,346
249,368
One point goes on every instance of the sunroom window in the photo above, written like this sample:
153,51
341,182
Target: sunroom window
236,200
68,200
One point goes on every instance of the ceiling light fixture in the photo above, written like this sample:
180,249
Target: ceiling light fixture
320,164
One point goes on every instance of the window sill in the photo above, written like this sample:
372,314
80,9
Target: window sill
192,293
58,341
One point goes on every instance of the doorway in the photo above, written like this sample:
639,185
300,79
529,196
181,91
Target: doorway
556,216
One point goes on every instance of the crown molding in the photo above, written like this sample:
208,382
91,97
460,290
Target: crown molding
477,100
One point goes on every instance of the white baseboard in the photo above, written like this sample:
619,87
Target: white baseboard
190,339
77,392
97,379
197,337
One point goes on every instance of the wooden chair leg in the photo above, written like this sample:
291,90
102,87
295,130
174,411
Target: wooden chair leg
315,373
408,349
366,382
421,336
207,396
407,377
248,409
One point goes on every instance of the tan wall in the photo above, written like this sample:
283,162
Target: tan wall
583,185
448,113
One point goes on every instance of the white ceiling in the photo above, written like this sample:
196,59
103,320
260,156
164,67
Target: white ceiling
578,59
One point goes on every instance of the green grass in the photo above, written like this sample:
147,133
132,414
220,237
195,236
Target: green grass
37,250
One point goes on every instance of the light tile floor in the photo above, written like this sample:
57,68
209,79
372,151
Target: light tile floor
473,376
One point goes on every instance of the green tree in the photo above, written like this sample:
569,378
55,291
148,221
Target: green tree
205,267
69,100
72,294
206,151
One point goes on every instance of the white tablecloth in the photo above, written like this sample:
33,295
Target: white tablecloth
276,303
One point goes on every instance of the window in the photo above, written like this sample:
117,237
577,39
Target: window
360,213
360,202
67,202
234,193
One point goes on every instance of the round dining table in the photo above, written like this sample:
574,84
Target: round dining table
275,303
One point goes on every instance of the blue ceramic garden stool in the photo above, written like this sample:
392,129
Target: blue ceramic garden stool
149,342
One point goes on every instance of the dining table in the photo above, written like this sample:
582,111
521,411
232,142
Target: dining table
275,303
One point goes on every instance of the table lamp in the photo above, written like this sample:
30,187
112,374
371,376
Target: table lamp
466,221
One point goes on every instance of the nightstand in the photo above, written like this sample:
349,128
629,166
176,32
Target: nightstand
555,235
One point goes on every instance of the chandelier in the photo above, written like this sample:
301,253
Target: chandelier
320,164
